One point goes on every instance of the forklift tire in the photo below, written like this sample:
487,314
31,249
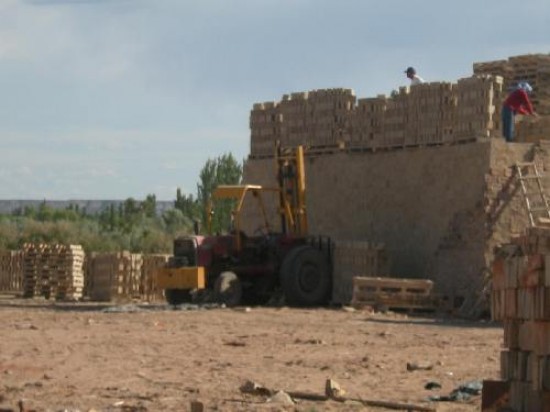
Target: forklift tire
305,277
177,296
228,289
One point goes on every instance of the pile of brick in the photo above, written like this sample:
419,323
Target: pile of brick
356,258
534,68
53,270
430,113
521,300
11,262
478,109
114,276
149,289
318,118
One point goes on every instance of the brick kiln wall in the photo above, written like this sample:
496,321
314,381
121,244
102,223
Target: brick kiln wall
438,210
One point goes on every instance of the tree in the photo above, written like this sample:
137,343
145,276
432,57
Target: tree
149,206
188,205
224,170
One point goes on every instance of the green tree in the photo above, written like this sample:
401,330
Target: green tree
188,205
224,170
149,206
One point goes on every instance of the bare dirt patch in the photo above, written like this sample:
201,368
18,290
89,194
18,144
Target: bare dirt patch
81,357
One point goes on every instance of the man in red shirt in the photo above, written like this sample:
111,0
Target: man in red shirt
517,102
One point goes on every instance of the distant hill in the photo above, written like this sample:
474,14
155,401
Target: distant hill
91,206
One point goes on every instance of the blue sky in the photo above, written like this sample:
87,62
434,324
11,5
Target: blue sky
109,99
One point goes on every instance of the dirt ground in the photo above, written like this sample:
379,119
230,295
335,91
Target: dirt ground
84,357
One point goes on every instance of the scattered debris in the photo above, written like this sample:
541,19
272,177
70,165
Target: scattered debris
235,343
463,393
414,366
330,387
432,385
310,341
333,389
255,389
281,397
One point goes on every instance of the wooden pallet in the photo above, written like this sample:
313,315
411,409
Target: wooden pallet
393,293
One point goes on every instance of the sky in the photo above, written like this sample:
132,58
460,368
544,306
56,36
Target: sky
110,99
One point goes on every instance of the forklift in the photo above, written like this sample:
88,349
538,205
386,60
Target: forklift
235,268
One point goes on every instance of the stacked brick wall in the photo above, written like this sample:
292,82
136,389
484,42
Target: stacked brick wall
520,298
431,113
438,210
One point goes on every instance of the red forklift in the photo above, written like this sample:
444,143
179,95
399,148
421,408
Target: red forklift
235,268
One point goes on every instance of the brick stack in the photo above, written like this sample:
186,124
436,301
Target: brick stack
395,120
534,68
329,118
115,276
265,125
431,114
367,122
11,262
501,68
295,112
521,300
356,258
478,98
151,263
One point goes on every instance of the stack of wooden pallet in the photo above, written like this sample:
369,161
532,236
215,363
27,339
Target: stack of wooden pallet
35,280
53,270
352,259
521,300
149,288
115,276
11,271
394,294
67,271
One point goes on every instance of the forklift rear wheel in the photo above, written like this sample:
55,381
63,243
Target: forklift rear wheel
177,296
305,277
228,289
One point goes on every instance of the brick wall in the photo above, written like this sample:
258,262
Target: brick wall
438,210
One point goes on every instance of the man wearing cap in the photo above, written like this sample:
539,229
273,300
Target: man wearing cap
411,74
516,102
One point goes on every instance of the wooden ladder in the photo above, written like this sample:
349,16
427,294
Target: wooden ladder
535,198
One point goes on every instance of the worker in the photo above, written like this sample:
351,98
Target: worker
517,102
411,74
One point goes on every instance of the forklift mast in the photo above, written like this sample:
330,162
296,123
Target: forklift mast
291,180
